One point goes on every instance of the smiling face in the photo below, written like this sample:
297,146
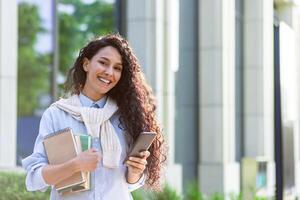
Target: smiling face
104,71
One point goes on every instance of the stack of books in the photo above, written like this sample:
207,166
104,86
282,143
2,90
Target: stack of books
62,146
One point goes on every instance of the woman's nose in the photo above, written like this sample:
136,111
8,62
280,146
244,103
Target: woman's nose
109,70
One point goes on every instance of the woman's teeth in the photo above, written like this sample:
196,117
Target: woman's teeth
104,80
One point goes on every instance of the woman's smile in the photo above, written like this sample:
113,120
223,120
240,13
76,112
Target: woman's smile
103,80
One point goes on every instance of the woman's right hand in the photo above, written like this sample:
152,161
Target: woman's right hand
87,161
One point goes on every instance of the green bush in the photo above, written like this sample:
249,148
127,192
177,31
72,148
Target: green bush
166,193
217,196
12,187
192,192
138,195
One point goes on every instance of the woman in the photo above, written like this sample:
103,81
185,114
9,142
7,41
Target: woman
106,76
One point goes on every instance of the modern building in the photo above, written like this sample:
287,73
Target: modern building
212,64
215,67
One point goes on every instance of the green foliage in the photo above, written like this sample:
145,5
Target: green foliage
193,192
12,187
235,197
138,195
217,196
32,66
166,193
260,198
29,24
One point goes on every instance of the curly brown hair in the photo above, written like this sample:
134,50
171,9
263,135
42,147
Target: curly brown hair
134,98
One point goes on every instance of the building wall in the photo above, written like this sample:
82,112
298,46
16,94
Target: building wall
218,170
186,89
8,82
258,84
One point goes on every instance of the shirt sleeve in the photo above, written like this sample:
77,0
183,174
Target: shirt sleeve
34,163
137,185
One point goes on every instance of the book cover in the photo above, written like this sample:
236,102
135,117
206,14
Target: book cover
61,147
83,144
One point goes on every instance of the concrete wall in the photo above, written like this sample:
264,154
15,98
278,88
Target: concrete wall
8,82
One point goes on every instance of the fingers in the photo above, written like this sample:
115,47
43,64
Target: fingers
135,168
94,152
145,154
142,161
136,165
91,155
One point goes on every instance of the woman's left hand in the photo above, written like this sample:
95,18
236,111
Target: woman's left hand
137,165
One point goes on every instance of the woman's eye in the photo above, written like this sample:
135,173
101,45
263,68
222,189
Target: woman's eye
102,62
118,68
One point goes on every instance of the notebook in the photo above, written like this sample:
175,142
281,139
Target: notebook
60,147
83,144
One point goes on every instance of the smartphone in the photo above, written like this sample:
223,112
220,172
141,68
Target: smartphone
142,143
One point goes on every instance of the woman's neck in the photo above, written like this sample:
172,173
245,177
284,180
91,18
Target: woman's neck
93,97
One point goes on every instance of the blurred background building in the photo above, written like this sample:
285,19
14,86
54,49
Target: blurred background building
225,72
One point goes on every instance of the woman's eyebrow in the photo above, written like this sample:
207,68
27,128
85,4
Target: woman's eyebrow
105,58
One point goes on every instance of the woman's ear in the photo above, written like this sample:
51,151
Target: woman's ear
85,64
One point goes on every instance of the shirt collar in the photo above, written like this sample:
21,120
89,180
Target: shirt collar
87,102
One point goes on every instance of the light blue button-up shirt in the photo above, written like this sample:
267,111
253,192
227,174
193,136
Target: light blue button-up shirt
106,183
